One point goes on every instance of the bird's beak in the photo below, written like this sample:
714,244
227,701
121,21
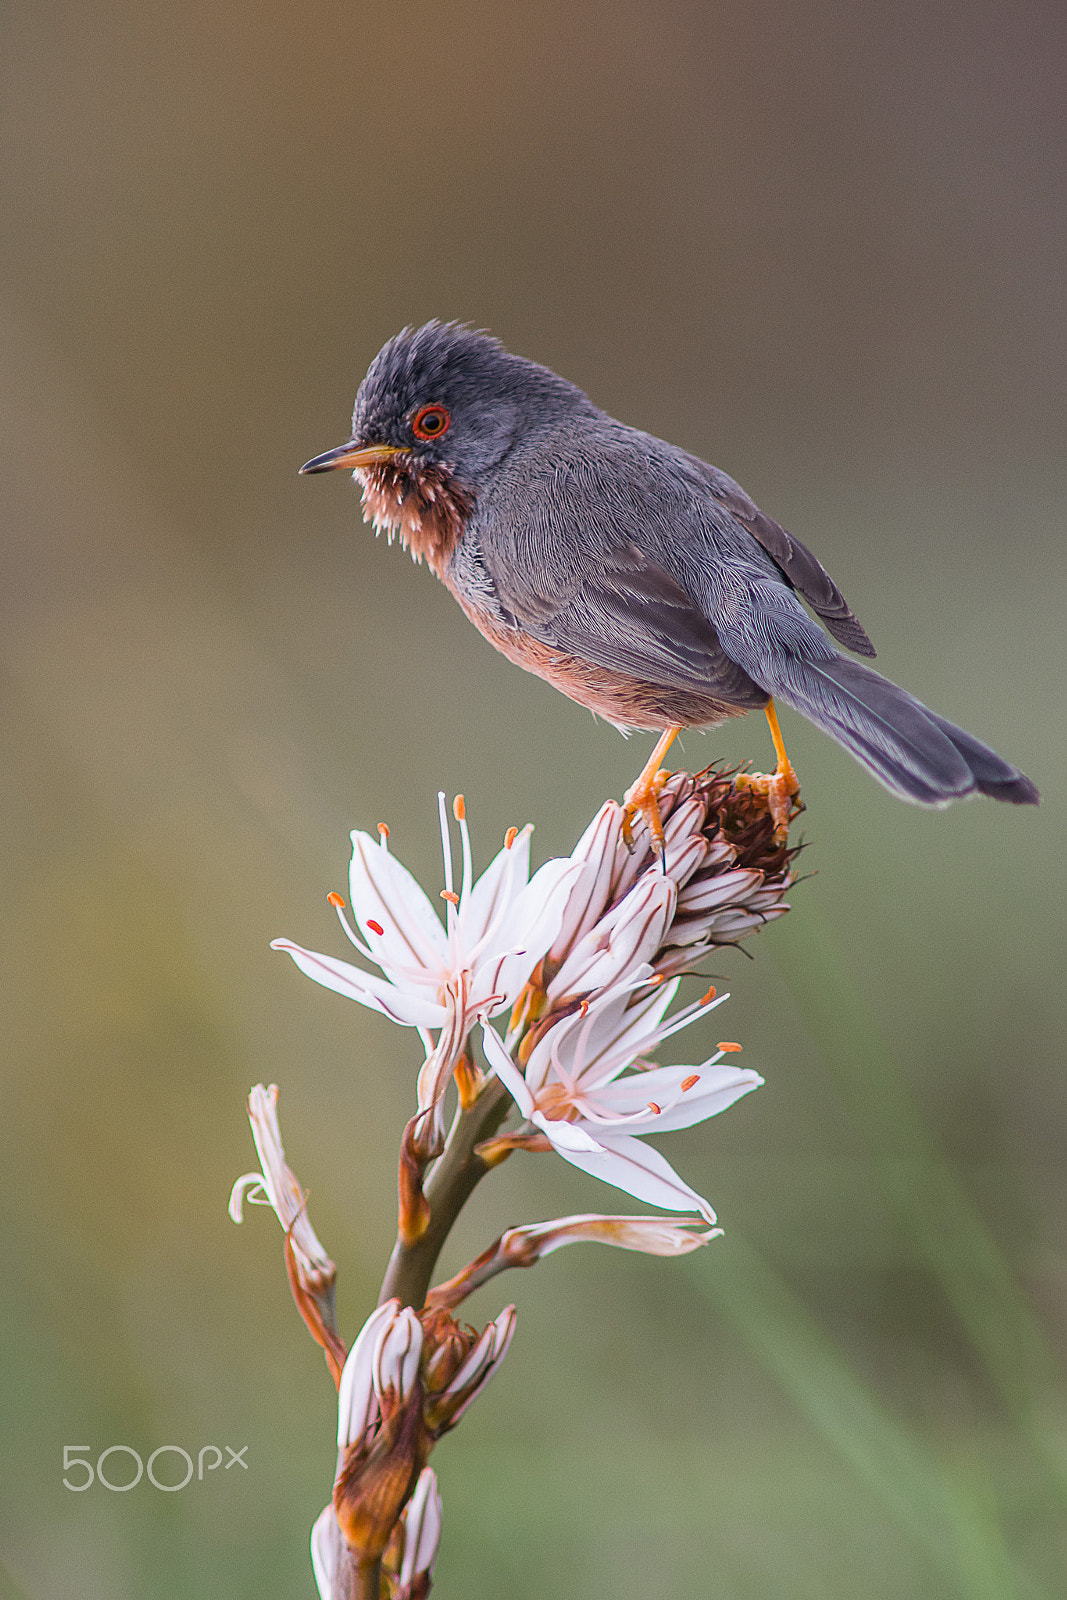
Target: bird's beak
351,455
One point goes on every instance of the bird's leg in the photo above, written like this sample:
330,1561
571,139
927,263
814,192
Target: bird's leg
641,797
779,786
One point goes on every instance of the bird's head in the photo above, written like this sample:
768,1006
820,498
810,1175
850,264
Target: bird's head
440,408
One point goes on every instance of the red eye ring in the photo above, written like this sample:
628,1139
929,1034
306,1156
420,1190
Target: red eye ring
430,422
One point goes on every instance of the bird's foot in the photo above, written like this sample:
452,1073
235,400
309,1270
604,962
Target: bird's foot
642,800
780,789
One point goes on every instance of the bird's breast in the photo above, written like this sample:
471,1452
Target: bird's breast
620,698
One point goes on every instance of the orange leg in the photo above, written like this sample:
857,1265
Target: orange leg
779,786
641,796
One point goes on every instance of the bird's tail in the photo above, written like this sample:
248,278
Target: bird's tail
916,753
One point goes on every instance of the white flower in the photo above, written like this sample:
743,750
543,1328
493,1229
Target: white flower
574,1092
422,1535
276,1186
496,930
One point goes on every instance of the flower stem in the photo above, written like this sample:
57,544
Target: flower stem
368,1581
355,1580
448,1188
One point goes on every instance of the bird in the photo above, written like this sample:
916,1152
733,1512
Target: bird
639,580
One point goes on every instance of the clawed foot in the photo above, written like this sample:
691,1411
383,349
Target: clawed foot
642,800
779,789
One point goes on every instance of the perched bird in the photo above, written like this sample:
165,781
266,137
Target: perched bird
636,578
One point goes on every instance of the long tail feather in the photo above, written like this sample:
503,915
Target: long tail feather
916,753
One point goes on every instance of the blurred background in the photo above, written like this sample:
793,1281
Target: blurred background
821,246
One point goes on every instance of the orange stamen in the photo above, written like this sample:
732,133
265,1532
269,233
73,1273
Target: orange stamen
335,900
583,1009
687,1083
654,1108
724,1044
453,899
375,927
706,997
510,837
383,829
459,808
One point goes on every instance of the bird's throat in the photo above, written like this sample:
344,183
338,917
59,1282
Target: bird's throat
423,503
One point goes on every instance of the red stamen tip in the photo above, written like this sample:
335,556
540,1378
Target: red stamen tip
583,1009
510,837
654,1108
451,896
375,927
687,1083
459,808
335,900
706,997
724,1044
654,983
383,829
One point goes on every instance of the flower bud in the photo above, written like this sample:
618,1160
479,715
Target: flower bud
461,1364
413,1549
380,1430
325,1536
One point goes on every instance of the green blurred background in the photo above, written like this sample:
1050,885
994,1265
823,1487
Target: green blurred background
820,245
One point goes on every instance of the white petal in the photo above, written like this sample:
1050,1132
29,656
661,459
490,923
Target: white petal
325,1538
727,888
502,881
607,1039
636,1168
483,1360
566,1137
414,1007
422,1529
385,892
589,897
244,1189
684,858
629,934
501,1063
653,1235
357,1403
528,929
436,1071
278,1183
397,1355
716,1088
623,1036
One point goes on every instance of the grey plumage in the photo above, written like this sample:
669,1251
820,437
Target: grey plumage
622,551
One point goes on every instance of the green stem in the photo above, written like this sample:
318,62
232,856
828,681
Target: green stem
449,1187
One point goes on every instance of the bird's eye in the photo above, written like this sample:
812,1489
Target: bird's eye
431,422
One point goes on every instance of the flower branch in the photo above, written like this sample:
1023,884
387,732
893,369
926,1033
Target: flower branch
585,958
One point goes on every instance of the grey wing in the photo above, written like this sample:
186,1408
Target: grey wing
795,562
604,600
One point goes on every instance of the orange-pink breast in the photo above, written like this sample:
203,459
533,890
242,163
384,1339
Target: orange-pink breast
626,701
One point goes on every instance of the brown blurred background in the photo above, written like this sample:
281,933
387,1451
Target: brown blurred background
820,245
